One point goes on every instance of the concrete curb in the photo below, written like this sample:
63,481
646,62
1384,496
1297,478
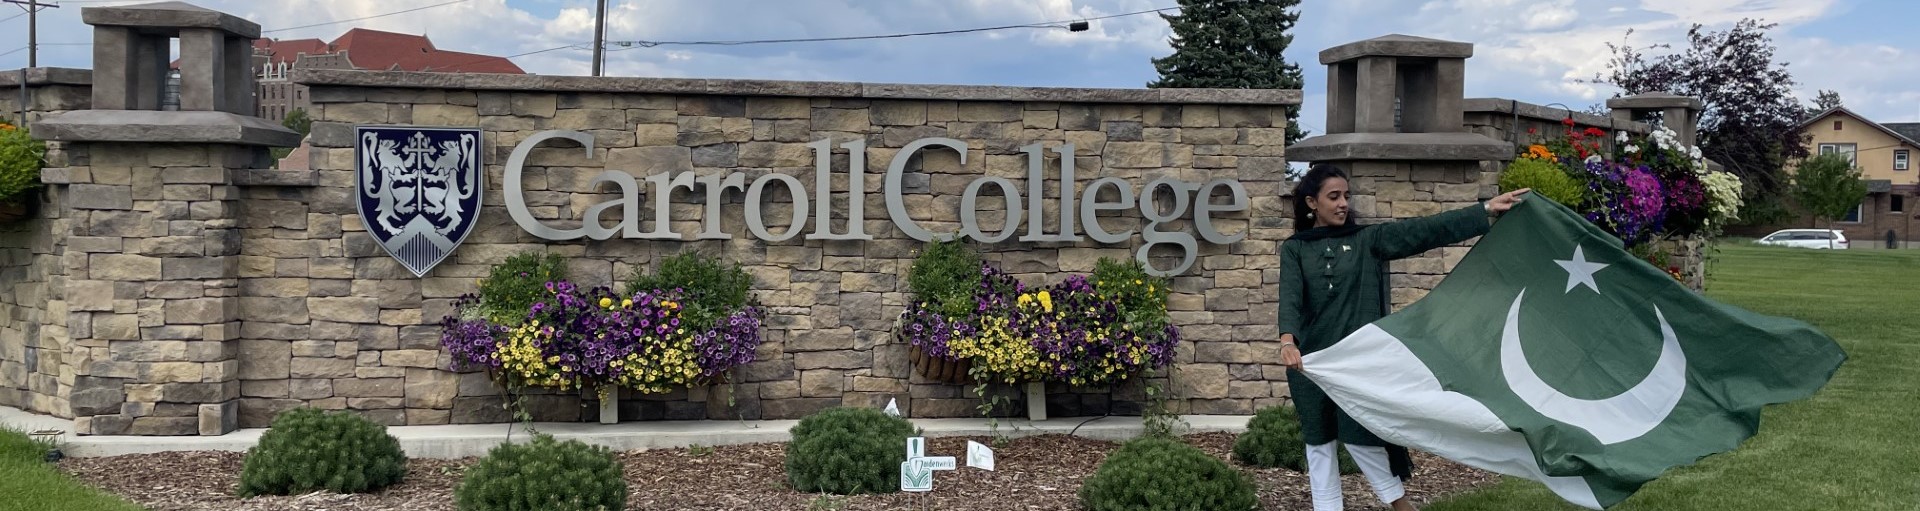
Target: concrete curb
470,440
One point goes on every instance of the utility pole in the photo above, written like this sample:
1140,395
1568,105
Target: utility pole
599,36
33,28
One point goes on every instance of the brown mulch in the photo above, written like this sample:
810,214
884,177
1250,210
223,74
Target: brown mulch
1035,473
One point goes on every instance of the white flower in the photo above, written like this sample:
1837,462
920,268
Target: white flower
1593,159
1695,152
1622,137
1633,149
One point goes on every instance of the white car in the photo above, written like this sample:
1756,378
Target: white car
1806,238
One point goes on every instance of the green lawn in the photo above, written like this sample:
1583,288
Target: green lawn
28,482
1852,446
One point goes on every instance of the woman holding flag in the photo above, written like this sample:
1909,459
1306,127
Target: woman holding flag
1333,280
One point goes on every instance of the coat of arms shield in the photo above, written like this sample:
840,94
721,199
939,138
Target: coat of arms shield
419,190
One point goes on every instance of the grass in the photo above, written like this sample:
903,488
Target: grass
28,482
1851,446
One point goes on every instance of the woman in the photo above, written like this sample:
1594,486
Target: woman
1333,280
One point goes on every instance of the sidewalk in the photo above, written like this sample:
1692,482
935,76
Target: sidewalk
465,440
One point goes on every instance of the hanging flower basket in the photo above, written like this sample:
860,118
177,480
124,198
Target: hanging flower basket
16,210
940,369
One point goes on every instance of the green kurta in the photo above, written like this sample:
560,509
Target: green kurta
1331,286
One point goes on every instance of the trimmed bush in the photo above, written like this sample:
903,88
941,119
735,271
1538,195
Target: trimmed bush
545,475
1160,474
848,451
1546,178
307,450
1273,440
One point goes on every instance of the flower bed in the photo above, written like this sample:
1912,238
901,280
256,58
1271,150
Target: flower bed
560,336
1083,331
1651,192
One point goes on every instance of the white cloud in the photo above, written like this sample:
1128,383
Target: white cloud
1539,51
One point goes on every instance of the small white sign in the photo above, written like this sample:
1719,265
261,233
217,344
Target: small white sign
916,447
935,463
979,456
893,407
915,478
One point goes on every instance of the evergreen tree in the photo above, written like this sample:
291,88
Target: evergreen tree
1233,44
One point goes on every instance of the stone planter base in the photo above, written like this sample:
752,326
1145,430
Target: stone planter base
1036,401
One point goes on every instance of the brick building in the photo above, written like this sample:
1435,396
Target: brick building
359,48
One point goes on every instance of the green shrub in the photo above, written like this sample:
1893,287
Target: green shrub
713,289
1273,440
512,287
1162,474
20,160
307,450
848,451
546,475
946,274
1545,178
1142,297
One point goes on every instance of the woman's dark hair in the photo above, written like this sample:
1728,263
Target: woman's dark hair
1310,186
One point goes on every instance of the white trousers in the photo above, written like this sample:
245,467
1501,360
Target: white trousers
1323,469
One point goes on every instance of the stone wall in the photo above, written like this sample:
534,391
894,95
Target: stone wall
1525,123
50,90
329,320
32,336
34,374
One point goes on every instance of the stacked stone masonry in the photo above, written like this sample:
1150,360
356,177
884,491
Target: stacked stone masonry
165,289
352,329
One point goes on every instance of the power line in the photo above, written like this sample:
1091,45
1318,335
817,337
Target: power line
10,18
509,57
444,4
13,51
1049,24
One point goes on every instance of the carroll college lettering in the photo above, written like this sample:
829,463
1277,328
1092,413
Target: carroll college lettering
1073,202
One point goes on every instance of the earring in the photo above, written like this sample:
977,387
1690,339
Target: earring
1309,214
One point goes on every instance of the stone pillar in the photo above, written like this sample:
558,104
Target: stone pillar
1678,113
150,286
1426,163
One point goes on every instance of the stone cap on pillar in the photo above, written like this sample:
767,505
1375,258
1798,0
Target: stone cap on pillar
1398,97
168,18
1397,45
130,75
48,76
1656,101
1401,146
1396,84
1679,113
159,126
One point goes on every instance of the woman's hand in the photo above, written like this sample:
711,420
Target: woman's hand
1505,201
1290,356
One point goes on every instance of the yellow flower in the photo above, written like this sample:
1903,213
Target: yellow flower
626,303
606,302
1046,301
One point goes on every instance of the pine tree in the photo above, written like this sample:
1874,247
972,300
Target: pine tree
1233,44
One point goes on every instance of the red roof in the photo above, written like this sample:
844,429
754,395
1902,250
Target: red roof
388,51
289,50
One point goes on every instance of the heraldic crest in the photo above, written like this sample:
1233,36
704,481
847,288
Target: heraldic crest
419,190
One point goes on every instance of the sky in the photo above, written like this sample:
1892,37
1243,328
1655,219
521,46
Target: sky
1538,51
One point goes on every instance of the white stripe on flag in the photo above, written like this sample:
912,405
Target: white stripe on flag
1384,387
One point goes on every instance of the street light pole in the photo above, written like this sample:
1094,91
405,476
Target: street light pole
599,35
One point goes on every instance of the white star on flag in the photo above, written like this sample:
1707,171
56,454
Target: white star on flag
1580,272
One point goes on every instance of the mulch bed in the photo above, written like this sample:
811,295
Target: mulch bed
1035,473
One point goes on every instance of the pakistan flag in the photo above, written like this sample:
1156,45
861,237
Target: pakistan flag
1553,354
